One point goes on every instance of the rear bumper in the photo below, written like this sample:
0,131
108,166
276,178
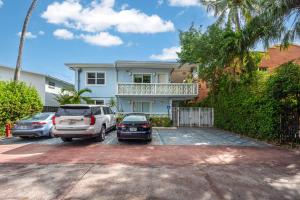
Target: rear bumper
67,133
29,133
134,135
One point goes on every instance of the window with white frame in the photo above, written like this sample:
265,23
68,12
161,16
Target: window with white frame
95,78
142,78
51,85
140,106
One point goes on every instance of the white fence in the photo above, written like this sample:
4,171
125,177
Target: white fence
199,117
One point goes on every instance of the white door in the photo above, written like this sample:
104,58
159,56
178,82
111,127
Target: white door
163,78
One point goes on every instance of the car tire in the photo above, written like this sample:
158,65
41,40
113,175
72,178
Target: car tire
120,140
149,140
102,134
66,139
51,135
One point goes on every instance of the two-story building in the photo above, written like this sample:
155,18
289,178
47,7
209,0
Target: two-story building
136,86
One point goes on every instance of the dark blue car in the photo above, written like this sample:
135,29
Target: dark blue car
134,126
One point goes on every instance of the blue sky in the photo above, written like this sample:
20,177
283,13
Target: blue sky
87,31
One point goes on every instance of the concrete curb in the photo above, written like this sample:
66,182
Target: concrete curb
165,128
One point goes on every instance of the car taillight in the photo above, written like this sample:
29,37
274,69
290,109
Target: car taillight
146,126
39,123
53,120
120,125
93,120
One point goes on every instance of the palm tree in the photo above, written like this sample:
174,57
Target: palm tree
279,22
72,96
22,40
236,12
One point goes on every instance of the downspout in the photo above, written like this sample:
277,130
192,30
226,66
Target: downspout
78,70
117,81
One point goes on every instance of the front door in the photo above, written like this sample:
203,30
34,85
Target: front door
162,78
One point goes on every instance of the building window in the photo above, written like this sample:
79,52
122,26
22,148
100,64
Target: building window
142,78
95,78
143,107
98,102
263,69
51,85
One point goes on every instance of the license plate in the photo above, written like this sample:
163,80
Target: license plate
133,129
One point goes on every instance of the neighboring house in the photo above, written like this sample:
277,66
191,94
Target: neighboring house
184,73
47,86
137,86
275,56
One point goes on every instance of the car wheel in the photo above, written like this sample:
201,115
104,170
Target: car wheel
149,140
101,136
66,139
120,140
51,135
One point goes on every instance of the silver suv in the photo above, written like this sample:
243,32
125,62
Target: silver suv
83,121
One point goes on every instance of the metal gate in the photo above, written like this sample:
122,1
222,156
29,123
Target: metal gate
194,116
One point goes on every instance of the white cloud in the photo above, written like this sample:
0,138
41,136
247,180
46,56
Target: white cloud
184,3
41,33
1,3
28,35
63,34
102,39
160,2
100,16
124,6
167,54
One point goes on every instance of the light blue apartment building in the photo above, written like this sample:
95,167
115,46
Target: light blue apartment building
136,86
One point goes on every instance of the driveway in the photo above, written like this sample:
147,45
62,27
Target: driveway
187,163
180,136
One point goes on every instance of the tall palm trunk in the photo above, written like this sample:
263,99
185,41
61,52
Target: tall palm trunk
22,39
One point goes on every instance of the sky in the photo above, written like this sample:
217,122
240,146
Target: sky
95,31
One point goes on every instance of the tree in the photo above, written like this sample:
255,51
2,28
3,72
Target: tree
22,40
72,96
236,12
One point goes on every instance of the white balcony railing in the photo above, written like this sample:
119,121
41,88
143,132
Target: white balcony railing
158,89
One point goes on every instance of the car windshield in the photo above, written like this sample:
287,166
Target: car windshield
135,118
39,116
73,111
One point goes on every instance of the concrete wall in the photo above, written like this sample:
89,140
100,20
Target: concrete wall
35,80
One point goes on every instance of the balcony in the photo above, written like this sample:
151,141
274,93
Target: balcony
158,89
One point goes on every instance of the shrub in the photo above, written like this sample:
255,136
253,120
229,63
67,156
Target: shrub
17,101
155,121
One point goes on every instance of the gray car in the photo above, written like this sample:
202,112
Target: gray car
37,125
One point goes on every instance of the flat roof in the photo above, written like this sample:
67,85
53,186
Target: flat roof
126,64
39,74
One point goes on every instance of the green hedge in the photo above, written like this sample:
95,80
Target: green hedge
253,107
17,100
155,121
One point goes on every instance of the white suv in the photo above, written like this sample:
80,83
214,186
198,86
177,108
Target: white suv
80,121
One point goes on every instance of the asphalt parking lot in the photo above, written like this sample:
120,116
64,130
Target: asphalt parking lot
180,136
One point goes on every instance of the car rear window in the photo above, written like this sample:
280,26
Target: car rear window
39,116
73,111
135,118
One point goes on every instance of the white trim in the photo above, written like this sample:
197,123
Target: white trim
132,78
95,85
